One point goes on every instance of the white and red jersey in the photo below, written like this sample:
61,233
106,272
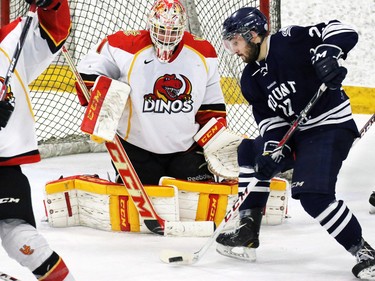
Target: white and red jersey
169,102
47,33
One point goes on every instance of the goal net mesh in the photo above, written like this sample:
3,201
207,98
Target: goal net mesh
57,110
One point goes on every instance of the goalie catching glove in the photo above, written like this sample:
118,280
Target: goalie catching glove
106,105
220,148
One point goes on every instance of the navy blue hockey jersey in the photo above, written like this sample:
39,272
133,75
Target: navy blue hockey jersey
280,86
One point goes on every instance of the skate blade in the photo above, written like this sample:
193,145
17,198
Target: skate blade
240,253
367,273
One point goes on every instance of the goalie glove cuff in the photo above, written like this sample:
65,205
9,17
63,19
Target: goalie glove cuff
209,132
105,108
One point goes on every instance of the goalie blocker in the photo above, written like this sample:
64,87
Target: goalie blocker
101,204
106,105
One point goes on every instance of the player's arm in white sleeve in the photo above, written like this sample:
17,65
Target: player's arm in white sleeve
98,61
49,30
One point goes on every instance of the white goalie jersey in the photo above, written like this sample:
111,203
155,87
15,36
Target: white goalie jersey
167,100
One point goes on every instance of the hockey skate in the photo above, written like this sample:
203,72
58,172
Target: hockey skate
365,268
244,239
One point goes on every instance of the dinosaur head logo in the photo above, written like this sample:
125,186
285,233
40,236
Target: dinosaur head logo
170,88
170,94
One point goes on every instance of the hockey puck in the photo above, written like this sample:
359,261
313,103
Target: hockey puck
176,259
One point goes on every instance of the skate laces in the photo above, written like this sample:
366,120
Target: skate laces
235,231
365,253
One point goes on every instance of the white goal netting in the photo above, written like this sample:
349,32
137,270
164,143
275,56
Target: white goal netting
57,110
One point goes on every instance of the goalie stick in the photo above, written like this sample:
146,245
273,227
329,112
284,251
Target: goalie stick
171,256
17,51
135,187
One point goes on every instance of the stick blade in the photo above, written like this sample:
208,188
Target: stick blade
154,226
175,257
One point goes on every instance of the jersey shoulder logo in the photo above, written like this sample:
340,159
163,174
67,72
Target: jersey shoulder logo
286,31
170,94
131,32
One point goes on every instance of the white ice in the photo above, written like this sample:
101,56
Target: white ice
299,249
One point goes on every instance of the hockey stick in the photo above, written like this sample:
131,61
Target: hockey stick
170,256
367,126
17,51
6,277
135,187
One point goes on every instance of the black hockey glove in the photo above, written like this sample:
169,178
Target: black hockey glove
325,61
43,3
268,165
6,110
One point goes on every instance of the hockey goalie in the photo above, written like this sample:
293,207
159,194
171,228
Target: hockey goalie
101,204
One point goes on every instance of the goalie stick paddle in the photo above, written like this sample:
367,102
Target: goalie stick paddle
17,51
175,257
135,187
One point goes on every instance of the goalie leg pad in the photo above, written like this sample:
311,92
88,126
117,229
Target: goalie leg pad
203,201
276,208
105,108
100,204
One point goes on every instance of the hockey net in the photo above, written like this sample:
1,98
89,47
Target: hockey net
57,110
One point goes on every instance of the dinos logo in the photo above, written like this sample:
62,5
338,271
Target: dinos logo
170,94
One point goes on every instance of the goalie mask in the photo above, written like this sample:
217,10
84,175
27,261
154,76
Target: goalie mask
167,25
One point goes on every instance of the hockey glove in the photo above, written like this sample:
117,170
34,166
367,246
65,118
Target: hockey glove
6,110
269,164
220,148
325,61
46,4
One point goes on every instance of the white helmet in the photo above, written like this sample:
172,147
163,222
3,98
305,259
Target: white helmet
167,22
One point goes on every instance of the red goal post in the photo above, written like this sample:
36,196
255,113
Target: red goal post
57,111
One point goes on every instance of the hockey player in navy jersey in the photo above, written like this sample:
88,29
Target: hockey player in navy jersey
50,26
282,74
175,90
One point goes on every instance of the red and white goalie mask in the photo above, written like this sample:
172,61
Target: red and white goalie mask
167,22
